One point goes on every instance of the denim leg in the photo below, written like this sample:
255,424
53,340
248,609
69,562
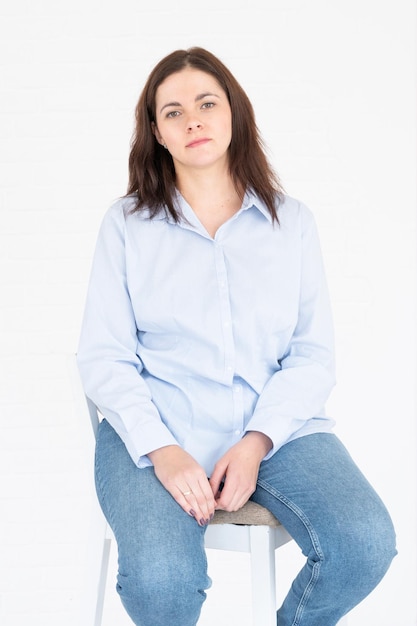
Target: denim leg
162,563
314,488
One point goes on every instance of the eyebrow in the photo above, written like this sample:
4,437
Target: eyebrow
199,97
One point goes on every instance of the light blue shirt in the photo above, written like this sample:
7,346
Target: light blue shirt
194,340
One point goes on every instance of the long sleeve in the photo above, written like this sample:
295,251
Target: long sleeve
107,357
298,391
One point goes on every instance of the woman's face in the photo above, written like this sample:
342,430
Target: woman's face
193,120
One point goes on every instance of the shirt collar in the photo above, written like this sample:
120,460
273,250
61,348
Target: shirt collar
250,200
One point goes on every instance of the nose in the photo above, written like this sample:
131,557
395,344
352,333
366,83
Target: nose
193,124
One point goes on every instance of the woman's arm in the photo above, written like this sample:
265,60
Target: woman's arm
109,366
299,390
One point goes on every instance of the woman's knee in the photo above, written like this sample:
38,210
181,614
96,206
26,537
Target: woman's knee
163,591
362,549
376,543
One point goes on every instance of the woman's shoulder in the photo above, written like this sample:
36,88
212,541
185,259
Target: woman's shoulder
124,210
292,205
118,216
292,211
122,207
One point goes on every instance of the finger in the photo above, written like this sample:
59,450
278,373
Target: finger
217,477
233,495
228,498
232,504
203,499
198,502
187,502
207,502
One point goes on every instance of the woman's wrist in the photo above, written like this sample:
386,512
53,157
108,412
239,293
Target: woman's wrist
163,452
262,441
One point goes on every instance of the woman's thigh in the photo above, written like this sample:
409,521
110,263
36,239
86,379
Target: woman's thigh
159,545
318,493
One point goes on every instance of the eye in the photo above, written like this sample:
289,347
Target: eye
208,105
172,114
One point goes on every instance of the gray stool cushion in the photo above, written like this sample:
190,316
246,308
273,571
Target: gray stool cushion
250,514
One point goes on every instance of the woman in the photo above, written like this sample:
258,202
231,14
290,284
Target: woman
207,346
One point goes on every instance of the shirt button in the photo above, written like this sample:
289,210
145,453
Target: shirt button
238,432
229,368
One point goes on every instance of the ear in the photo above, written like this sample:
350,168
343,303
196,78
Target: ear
157,133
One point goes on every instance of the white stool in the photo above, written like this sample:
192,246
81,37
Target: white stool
255,530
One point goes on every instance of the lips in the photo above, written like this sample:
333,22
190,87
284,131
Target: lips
197,142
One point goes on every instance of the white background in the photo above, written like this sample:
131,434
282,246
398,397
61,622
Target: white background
332,83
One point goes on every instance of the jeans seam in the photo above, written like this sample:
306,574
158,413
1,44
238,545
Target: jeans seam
314,541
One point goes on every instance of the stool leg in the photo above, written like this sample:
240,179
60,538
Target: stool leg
263,576
95,574
101,589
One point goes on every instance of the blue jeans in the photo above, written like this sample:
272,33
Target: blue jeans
311,485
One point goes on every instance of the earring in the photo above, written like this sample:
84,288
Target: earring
165,146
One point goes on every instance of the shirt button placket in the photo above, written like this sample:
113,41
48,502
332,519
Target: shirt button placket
238,410
226,316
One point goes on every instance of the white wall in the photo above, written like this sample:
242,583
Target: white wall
333,87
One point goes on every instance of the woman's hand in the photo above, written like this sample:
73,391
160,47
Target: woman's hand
185,480
239,468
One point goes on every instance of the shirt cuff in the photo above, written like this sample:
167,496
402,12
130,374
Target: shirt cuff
145,438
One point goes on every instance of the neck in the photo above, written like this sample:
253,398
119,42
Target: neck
207,188
213,197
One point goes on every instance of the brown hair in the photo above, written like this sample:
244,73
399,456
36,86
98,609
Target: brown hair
151,168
